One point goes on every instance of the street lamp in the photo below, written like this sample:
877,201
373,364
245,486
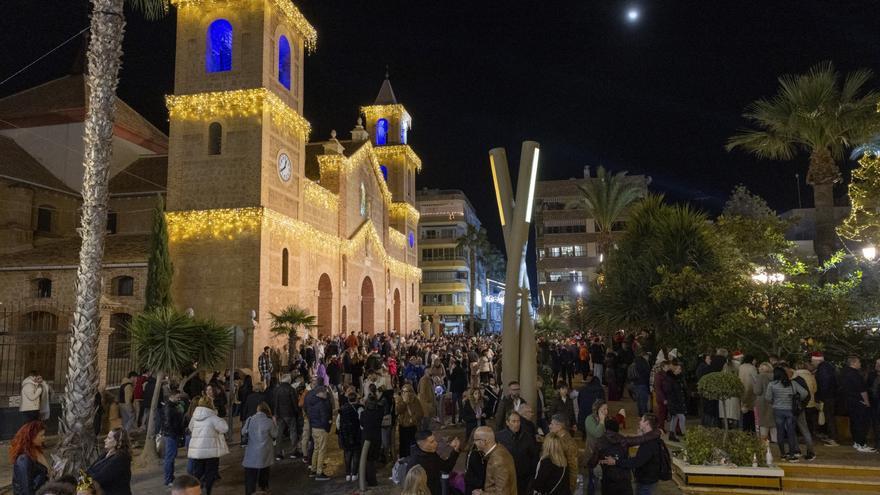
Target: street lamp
869,252
579,289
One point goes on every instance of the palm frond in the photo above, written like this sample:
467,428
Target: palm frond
151,9
167,340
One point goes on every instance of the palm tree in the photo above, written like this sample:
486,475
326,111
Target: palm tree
822,114
475,243
167,341
607,198
288,322
104,58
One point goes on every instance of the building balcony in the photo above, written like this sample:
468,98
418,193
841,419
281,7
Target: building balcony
444,287
439,241
568,263
456,310
458,263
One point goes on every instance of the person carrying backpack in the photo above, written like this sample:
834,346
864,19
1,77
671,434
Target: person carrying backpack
651,463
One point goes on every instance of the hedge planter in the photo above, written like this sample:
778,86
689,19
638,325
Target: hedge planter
727,476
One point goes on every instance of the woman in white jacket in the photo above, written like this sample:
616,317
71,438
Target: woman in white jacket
206,444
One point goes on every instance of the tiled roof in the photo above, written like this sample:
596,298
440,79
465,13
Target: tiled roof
148,174
65,100
18,164
65,252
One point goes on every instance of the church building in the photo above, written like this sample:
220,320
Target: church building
259,218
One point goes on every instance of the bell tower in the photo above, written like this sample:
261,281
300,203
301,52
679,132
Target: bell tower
388,124
236,149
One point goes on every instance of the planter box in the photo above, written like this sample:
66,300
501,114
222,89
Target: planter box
723,476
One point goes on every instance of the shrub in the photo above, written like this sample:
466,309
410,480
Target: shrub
719,386
741,447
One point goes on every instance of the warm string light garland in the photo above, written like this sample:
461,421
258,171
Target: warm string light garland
345,165
397,238
289,12
383,153
317,195
403,210
376,112
230,223
238,103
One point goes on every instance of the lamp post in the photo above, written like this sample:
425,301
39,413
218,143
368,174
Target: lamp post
869,252
579,307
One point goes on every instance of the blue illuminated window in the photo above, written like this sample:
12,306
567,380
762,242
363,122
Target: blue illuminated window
384,170
403,130
284,62
382,132
218,56
412,239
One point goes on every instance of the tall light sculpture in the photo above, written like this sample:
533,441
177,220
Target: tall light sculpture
518,349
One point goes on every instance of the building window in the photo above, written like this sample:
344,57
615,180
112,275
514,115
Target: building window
284,62
123,286
218,53
412,292
381,132
111,222
403,130
215,138
284,266
344,269
42,288
384,170
411,238
363,203
579,250
565,229
45,218
541,253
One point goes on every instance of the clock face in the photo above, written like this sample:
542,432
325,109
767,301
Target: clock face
285,168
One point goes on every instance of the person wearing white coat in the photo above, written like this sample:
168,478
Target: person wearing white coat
33,394
207,444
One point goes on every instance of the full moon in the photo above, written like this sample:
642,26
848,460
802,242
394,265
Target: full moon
632,15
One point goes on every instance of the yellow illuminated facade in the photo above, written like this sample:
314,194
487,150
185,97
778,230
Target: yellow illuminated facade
259,218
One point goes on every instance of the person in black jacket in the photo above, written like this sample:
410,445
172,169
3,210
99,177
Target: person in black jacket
858,405
285,408
646,463
640,381
371,431
30,468
675,391
474,469
425,454
826,394
458,384
253,400
563,404
523,448
349,434
173,429
112,471
587,395
615,479
246,388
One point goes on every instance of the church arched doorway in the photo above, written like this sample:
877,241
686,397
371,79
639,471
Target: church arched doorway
397,310
367,301
325,306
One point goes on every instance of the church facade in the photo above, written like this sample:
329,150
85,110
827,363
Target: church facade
259,218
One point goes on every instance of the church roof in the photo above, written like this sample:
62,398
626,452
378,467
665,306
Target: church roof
145,175
18,165
386,94
64,100
118,249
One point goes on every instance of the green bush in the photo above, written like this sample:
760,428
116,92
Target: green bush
719,386
741,447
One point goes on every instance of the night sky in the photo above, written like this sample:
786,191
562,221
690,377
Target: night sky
658,97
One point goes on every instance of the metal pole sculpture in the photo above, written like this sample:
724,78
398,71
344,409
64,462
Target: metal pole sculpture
518,360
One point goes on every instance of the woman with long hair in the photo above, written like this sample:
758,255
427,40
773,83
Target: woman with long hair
416,482
260,431
112,471
206,444
473,412
30,469
780,394
551,477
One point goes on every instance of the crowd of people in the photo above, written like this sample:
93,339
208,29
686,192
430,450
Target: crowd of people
399,401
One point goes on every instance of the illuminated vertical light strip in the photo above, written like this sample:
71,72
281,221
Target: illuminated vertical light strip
532,185
497,189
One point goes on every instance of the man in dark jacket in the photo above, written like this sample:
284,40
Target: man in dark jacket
587,395
319,410
615,479
458,382
640,381
285,409
425,454
509,402
646,462
858,405
524,449
826,394
172,429
597,356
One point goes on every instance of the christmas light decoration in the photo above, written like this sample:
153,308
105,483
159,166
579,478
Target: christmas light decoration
383,153
343,165
233,223
376,112
239,103
291,15
317,195
397,238
863,222
403,210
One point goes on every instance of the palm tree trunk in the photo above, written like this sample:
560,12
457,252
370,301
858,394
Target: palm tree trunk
104,58
822,175
149,454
